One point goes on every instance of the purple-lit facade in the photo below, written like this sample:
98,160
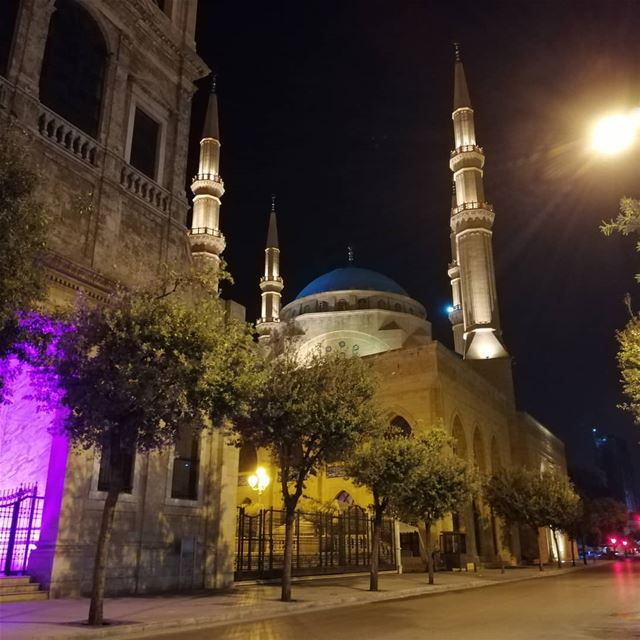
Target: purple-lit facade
112,156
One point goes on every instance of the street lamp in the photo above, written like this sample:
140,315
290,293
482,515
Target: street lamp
259,480
616,132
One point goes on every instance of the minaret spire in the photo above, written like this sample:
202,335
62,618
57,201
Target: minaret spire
271,283
475,320
207,241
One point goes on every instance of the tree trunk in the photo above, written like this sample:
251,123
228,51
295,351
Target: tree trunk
536,533
573,553
427,524
288,554
100,564
555,540
375,549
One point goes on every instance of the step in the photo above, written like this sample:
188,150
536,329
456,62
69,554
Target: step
23,597
13,580
19,588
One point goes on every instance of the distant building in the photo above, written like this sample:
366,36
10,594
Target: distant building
613,456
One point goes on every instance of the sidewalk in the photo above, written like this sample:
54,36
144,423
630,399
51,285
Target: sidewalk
132,616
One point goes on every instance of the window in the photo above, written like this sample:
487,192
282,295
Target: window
397,307
116,469
144,144
341,305
399,428
248,460
184,483
74,66
363,303
323,306
8,15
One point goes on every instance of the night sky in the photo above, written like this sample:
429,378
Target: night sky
343,110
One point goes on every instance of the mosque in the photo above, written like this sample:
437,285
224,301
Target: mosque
101,91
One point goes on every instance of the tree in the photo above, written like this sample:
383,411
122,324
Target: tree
533,499
134,371
306,414
383,464
23,225
560,506
628,357
603,517
440,483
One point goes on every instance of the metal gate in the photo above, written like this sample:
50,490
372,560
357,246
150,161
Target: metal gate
322,543
20,520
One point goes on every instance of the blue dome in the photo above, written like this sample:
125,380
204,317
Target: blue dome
350,278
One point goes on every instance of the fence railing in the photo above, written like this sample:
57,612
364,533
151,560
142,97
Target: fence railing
20,521
322,543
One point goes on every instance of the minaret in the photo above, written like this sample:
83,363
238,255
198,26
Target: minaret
476,325
271,283
207,241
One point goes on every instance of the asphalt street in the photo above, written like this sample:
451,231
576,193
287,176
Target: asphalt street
603,602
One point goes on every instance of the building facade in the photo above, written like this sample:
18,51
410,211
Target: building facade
101,91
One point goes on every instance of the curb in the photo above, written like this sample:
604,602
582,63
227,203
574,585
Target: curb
277,609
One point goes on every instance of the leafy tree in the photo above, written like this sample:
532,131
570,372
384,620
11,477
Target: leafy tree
133,371
306,414
603,517
23,224
440,483
560,505
628,357
383,464
532,499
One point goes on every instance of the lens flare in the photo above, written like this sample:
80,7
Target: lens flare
615,133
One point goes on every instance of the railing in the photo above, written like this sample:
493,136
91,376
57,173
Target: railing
323,543
214,177
205,231
20,521
472,205
465,148
64,134
144,188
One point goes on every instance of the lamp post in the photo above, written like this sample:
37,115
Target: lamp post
259,481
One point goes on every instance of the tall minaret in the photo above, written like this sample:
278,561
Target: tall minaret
476,325
207,241
271,283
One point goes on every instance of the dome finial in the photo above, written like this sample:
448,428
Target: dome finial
350,255
273,202
456,49
214,81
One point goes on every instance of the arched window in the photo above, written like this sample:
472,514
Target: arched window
496,464
382,304
306,309
323,306
397,307
341,305
399,428
478,451
248,459
459,440
8,16
344,497
363,303
74,67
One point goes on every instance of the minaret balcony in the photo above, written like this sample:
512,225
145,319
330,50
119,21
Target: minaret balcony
455,315
274,284
466,148
207,183
206,239
472,205
469,155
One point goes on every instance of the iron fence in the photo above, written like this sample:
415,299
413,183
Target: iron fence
322,543
20,521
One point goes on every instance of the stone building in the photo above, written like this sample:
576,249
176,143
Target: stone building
469,391
102,91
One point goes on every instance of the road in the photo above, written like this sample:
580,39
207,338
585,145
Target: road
598,603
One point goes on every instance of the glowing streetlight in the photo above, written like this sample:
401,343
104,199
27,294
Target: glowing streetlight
259,480
616,132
